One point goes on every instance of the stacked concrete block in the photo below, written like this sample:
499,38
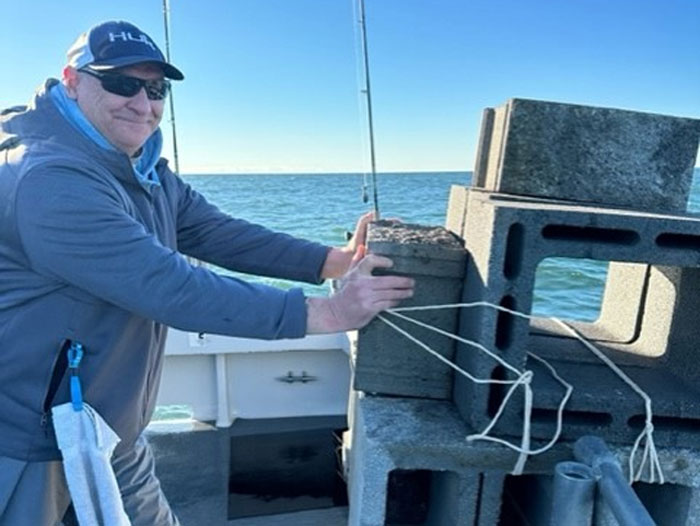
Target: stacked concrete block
552,180
386,362
620,173
507,238
467,485
661,358
396,441
395,473
587,154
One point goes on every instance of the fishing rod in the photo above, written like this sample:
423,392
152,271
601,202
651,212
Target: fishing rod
166,22
368,95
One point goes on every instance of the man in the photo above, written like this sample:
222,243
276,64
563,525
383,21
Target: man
93,227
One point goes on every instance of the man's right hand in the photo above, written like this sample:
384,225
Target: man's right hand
360,298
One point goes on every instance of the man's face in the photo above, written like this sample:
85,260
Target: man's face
126,122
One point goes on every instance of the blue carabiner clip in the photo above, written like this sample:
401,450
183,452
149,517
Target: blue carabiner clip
75,354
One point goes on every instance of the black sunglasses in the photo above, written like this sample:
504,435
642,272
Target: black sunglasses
129,86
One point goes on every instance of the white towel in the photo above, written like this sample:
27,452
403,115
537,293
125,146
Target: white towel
87,443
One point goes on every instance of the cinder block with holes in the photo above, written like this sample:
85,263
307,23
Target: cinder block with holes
385,361
651,330
400,449
588,154
407,462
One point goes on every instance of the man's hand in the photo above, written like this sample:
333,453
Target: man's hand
361,297
340,260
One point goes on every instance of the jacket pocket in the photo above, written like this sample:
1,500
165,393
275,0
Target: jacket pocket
60,365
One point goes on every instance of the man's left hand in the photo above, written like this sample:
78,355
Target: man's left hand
340,260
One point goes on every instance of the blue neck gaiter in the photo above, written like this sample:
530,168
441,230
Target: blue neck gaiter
143,165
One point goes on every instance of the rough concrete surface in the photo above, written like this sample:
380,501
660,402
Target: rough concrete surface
384,360
588,154
508,237
413,434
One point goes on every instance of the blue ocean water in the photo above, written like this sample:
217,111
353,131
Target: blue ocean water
323,207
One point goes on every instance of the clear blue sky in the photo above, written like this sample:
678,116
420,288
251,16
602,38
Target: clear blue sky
273,85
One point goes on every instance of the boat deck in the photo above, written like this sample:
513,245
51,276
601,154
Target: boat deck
337,516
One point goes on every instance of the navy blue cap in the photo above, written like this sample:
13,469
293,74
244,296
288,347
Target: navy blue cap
117,44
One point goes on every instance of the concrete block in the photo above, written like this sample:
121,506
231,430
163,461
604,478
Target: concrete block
427,437
384,360
407,462
457,210
649,330
589,154
661,358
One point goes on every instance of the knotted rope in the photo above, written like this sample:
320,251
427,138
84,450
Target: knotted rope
524,378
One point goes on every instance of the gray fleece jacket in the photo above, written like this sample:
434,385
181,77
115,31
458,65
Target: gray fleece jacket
90,255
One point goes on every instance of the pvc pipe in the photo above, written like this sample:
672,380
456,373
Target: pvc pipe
573,494
616,491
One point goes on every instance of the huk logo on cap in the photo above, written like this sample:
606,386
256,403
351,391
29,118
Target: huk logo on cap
127,36
117,44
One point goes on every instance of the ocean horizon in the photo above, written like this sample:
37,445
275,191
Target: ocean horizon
342,172
323,207
354,174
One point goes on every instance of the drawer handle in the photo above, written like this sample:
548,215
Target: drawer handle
291,378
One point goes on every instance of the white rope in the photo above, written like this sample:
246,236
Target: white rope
524,378
649,452
459,339
442,358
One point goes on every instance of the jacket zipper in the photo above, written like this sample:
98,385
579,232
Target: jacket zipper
58,370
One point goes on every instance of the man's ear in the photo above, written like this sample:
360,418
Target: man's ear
70,81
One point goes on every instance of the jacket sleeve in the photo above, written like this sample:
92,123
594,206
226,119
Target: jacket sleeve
75,229
206,233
